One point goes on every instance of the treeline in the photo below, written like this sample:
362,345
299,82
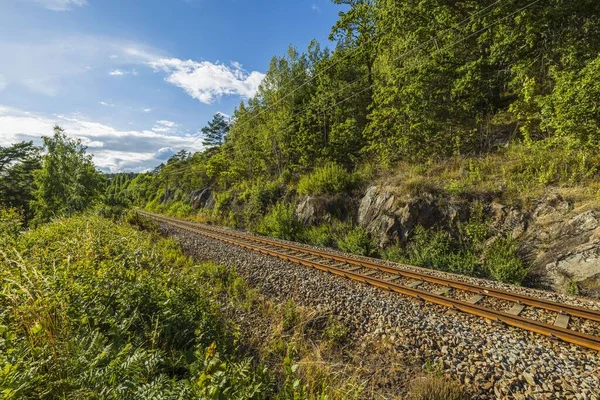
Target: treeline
54,181
408,81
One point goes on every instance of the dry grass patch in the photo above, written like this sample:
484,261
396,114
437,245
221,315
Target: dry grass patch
435,387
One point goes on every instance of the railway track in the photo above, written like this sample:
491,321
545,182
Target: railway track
469,298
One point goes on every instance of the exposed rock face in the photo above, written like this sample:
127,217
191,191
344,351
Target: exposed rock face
390,218
316,210
202,198
563,245
568,249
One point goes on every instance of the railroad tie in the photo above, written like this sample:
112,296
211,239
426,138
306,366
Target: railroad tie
516,309
393,278
562,320
415,284
353,269
442,292
474,299
337,265
369,273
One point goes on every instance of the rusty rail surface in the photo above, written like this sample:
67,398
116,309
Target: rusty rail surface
320,259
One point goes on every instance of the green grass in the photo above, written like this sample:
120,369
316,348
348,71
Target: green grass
93,309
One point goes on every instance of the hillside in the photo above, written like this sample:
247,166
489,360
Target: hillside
486,106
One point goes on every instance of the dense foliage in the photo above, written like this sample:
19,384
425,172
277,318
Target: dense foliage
57,180
17,163
92,309
68,181
414,81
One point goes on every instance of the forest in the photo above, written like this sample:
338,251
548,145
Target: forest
412,83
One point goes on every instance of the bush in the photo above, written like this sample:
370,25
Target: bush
356,241
503,263
258,198
329,179
319,235
280,222
180,209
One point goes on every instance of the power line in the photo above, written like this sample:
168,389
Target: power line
441,49
369,73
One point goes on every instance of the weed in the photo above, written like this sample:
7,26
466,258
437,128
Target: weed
435,387
356,241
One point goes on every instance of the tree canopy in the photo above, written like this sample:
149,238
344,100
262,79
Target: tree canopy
68,181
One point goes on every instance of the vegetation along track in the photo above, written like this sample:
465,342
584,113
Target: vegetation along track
411,283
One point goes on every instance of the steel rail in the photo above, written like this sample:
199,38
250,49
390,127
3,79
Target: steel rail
574,311
575,337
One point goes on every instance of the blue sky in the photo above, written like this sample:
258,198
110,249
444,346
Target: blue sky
136,80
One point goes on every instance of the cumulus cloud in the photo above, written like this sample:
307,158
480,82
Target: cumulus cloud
146,110
105,104
60,5
206,81
116,72
114,150
164,126
164,154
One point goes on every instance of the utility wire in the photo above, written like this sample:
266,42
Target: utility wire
369,73
441,49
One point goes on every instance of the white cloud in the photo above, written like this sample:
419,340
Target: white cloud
60,5
113,56
206,81
316,8
120,72
146,110
105,104
164,126
113,150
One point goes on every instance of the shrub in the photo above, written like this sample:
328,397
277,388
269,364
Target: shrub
258,198
180,209
280,222
113,207
503,263
356,241
329,179
429,248
319,235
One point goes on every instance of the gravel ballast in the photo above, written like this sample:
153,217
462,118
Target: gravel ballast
493,360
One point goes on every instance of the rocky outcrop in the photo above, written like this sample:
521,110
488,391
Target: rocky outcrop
563,245
314,210
567,248
202,198
390,217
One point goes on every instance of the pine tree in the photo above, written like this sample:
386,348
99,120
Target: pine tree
215,132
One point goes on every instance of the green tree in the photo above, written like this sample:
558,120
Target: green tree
215,132
68,181
17,163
